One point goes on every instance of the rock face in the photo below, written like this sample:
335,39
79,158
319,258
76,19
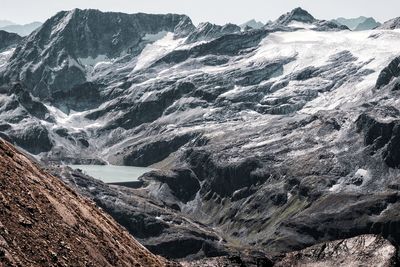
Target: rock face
367,250
158,225
45,223
53,58
390,24
8,40
297,14
389,73
299,17
277,138
207,31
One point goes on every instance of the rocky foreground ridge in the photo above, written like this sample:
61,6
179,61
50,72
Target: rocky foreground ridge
45,223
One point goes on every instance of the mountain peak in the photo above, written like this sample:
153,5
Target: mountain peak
297,14
70,36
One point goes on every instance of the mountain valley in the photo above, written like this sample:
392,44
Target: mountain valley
263,140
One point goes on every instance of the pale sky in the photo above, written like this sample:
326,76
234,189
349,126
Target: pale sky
216,11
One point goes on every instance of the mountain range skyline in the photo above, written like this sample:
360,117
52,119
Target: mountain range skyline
200,12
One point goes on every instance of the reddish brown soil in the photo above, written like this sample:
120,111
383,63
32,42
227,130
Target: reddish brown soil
45,223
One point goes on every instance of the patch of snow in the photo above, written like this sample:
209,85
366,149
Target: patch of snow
5,56
153,52
362,173
154,37
75,121
92,64
335,188
301,25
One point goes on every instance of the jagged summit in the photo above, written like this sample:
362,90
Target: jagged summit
53,58
299,18
297,14
208,31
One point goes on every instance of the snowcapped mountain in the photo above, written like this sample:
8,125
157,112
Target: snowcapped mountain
288,133
300,18
55,57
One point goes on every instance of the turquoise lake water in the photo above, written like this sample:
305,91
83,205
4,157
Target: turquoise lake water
111,173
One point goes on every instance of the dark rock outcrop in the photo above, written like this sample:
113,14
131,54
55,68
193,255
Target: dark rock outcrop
208,31
82,35
382,135
183,183
8,40
388,73
35,139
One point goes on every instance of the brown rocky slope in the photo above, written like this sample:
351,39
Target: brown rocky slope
45,223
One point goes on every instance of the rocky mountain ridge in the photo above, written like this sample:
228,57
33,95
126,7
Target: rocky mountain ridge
299,17
8,40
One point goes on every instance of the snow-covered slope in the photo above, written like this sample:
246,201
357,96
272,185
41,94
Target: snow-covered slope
261,72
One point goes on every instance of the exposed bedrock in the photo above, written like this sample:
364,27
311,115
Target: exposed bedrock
365,250
383,136
8,40
163,230
388,73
